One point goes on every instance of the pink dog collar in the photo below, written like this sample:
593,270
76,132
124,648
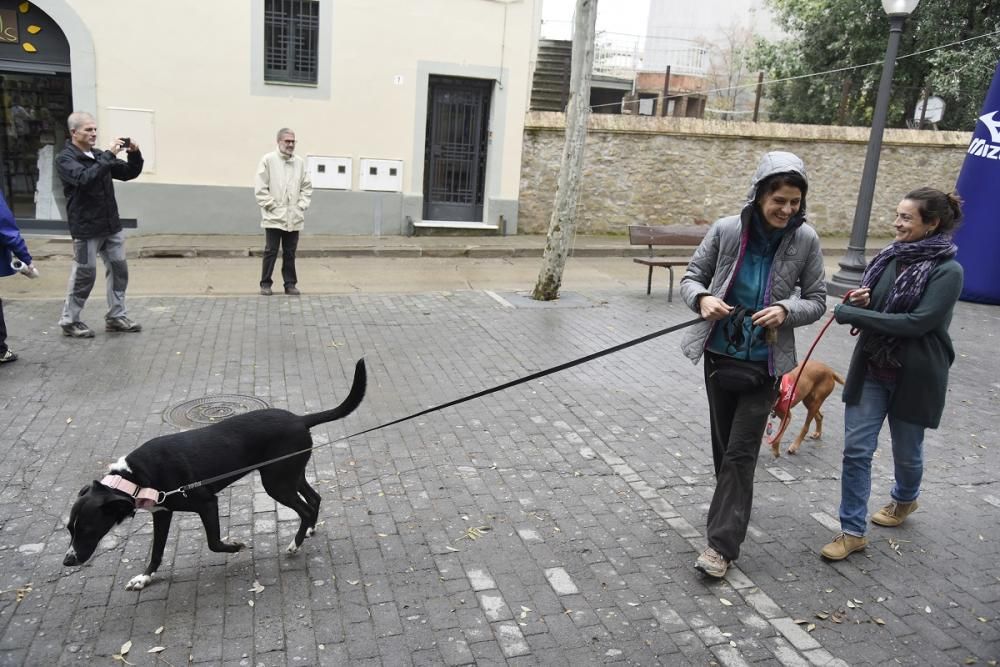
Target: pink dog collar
144,498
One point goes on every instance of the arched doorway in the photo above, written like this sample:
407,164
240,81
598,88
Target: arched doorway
35,98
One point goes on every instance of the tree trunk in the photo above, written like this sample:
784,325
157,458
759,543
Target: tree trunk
562,225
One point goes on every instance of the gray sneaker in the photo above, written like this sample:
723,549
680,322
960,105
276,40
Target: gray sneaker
122,324
77,330
712,563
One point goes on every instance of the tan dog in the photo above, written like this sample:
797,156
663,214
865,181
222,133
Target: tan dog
816,384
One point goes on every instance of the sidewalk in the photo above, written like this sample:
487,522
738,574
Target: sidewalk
522,245
554,523
230,265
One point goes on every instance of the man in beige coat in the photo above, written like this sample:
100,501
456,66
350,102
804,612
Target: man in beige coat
283,192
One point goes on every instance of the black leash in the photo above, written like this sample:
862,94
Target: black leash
507,385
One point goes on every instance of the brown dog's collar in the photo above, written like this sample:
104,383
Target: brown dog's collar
144,498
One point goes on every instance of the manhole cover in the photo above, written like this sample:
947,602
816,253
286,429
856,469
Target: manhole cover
211,409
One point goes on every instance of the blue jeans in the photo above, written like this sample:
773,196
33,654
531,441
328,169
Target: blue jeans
862,423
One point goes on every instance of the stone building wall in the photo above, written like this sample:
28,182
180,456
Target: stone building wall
648,170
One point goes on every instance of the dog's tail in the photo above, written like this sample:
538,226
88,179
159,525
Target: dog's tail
838,378
352,401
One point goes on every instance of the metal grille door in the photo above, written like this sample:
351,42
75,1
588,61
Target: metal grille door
455,155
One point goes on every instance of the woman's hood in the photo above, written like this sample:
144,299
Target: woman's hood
777,162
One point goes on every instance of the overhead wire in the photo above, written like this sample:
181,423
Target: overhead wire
810,75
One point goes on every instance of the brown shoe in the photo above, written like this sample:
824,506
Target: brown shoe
843,545
893,514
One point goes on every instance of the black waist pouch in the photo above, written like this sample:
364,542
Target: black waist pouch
737,375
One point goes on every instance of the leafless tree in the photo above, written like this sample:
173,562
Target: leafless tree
563,222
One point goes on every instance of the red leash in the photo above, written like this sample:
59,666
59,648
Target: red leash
781,413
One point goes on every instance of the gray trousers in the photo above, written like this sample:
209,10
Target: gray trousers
84,273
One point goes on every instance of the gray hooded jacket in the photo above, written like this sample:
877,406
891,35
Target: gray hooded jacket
796,281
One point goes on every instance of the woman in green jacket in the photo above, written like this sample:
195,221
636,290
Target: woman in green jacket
899,368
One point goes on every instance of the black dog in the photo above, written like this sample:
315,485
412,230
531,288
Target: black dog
168,462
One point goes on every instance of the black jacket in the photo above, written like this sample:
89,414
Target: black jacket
90,194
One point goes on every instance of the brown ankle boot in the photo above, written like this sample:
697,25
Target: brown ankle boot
843,545
893,514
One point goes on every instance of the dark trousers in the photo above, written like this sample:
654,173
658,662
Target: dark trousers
738,421
288,241
3,330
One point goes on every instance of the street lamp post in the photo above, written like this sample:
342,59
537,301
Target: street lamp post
852,266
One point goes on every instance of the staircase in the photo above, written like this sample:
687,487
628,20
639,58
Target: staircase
550,87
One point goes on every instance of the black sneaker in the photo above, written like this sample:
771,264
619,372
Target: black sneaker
122,324
77,330
265,291
292,291
7,356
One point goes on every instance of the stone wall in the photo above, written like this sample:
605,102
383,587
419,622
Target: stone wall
649,170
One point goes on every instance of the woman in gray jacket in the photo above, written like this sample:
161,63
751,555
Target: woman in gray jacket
755,277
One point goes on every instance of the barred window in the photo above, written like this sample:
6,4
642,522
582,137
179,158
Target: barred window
291,40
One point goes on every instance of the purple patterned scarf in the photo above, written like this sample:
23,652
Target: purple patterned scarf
918,258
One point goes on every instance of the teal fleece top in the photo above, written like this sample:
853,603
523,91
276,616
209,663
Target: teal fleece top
749,289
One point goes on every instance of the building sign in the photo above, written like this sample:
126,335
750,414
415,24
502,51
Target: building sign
8,26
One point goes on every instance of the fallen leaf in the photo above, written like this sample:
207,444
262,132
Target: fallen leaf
879,621
353,582
24,7
880,599
982,619
800,621
158,630
732,643
250,602
157,649
927,609
822,615
257,588
450,548
971,661
22,592
810,627
474,532
633,604
726,602
857,601
34,29
126,647
850,604
523,608
69,420
381,534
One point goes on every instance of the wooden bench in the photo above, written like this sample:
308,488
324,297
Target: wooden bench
664,235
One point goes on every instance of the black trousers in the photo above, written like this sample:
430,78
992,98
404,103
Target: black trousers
3,330
738,421
289,242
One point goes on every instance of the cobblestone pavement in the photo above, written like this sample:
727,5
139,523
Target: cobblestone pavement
554,523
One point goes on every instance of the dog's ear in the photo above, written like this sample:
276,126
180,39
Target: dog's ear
111,503
119,508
